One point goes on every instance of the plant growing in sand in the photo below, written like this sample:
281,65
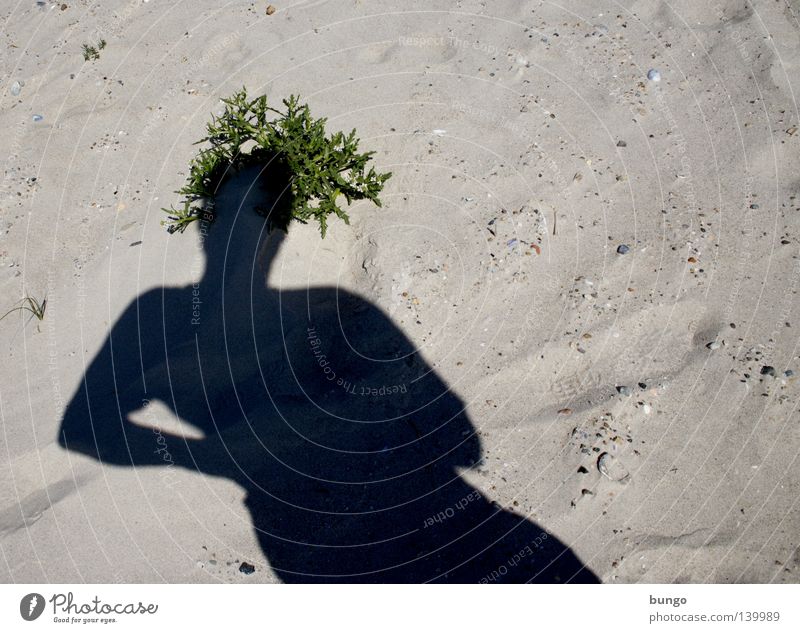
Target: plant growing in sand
91,53
29,304
314,168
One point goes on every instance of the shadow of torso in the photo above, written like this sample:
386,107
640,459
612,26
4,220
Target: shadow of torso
348,445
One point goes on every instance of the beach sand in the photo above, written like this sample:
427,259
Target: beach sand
600,266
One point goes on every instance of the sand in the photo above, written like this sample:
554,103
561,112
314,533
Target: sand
527,145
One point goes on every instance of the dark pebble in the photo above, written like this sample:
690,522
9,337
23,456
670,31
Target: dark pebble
247,569
767,370
623,249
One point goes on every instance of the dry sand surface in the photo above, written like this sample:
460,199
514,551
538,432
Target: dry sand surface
575,316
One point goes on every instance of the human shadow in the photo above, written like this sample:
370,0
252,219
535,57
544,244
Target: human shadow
348,445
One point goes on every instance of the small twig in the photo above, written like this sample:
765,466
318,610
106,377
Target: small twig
555,217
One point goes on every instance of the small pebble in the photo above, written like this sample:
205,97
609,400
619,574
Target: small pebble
16,88
37,117
767,370
246,569
647,409
622,144
623,390
788,373
270,9
653,75
623,249
713,345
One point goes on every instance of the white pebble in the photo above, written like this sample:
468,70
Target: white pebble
653,75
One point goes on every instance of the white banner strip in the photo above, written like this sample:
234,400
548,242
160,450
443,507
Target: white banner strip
379,609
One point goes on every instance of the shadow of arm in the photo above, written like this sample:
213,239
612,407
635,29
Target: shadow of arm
97,422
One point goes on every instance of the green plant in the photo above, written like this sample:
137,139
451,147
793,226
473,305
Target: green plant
31,305
91,52
312,168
